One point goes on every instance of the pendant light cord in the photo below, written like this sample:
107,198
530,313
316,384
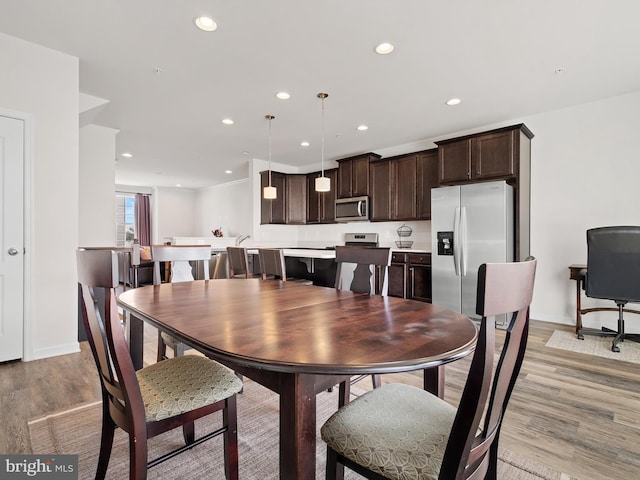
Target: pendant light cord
269,117
322,142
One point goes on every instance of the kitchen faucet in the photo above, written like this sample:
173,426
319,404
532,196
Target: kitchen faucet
241,239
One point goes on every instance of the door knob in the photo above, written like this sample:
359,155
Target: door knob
12,251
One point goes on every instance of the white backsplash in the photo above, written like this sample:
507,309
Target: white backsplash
333,234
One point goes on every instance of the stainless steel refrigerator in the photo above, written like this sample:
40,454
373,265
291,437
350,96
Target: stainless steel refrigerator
470,225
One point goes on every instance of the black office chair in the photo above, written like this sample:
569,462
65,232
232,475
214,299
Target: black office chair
613,273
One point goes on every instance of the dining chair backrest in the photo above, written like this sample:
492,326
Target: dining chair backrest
98,270
503,288
272,263
370,274
180,256
238,261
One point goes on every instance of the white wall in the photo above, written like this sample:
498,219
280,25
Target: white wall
45,84
97,226
226,206
585,173
173,213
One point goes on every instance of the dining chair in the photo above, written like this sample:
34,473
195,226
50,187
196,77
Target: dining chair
403,432
239,263
157,398
273,265
369,276
181,270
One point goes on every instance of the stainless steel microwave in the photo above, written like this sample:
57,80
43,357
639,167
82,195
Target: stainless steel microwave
352,209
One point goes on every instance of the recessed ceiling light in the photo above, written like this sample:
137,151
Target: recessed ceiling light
304,144
127,154
227,121
384,48
454,101
228,172
206,23
246,153
178,185
362,128
283,96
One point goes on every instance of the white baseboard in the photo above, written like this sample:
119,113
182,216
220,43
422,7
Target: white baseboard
54,351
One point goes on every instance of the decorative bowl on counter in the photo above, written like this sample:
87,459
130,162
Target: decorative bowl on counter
404,243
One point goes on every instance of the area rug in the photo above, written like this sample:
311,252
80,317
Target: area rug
594,345
77,431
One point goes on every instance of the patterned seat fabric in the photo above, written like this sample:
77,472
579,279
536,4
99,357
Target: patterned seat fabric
182,384
396,430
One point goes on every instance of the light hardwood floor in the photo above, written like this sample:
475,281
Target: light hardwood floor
576,413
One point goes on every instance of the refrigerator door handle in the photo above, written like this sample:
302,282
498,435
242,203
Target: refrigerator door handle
462,241
456,241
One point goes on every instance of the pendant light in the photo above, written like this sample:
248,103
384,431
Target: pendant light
269,191
323,184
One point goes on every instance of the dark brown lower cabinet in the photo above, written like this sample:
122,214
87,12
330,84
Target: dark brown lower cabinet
410,276
398,275
420,277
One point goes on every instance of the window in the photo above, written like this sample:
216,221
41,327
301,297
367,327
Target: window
125,219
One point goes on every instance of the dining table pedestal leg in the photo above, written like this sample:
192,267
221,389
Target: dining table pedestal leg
434,380
297,422
134,328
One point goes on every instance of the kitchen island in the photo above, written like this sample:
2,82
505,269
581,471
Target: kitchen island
317,265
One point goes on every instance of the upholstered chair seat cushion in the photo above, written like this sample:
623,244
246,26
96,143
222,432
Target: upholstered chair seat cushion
396,430
182,384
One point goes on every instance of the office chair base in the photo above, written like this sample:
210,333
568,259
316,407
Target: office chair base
621,338
604,332
607,332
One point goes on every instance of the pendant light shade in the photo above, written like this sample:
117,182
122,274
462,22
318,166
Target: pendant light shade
323,184
270,192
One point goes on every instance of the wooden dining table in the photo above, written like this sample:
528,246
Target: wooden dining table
298,340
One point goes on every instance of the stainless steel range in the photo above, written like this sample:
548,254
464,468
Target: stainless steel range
361,239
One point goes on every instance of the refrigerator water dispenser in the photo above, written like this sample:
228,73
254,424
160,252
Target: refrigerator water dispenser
445,243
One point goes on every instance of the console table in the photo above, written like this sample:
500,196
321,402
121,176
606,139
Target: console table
578,273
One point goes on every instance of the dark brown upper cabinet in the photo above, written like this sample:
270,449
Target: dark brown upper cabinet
380,190
321,206
296,199
401,186
273,211
353,175
486,156
404,188
427,175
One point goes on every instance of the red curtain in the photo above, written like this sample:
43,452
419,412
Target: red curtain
143,219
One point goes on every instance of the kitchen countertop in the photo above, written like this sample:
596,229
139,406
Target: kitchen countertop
300,252
410,250
324,253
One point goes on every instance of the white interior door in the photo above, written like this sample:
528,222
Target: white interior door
11,238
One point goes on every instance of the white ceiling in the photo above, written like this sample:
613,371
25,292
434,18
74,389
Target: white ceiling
169,85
